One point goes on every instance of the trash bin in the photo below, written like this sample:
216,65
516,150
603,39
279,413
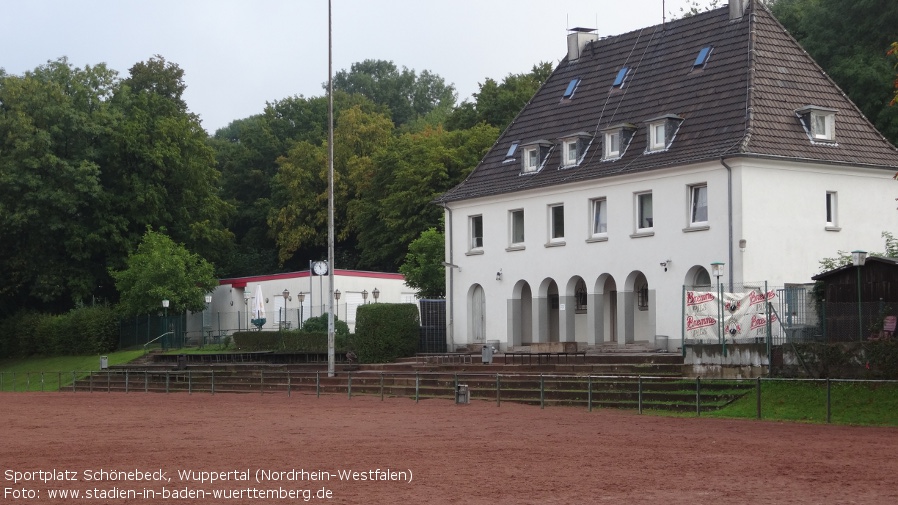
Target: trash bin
487,354
661,342
104,362
182,361
462,395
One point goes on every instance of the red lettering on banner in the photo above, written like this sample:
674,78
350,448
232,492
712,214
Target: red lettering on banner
755,297
694,299
699,322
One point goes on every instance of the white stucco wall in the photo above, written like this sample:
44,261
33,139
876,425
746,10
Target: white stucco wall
778,208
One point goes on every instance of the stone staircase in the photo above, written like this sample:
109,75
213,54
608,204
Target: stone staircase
636,380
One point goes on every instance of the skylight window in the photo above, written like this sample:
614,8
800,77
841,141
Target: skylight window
702,57
621,76
569,92
511,150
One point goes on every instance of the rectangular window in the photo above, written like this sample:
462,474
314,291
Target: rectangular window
823,126
511,150
476,225
698,208
570,153
612,145
657,140
516,218
831,209
531,160
644,212
621,77
569,92
556,223
599,216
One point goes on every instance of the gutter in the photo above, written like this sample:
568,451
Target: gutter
729,218
450,292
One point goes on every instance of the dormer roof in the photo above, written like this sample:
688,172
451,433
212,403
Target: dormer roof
742,101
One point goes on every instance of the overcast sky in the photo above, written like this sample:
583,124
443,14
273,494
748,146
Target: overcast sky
239,54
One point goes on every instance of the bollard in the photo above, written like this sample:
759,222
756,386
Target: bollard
758,396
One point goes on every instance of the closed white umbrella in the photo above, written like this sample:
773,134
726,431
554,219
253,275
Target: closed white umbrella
258,308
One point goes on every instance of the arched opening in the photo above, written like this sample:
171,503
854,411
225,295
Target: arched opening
639,309
520,331
476,314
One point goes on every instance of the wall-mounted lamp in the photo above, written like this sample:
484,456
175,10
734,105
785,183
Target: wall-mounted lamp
499,275
665,264
742,244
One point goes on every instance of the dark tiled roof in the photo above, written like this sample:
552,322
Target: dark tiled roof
742,102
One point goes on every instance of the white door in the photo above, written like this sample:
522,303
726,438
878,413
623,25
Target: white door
478,314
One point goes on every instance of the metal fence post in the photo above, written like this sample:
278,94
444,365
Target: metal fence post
683,321
589,393
126,381
167,376
639,398
189,383
73,381
212,385
42,382
758,396
146,381
349,386
261,382
288,382
828,401
498,390
318,384
381,386
542,392
417,386
90,381
698,396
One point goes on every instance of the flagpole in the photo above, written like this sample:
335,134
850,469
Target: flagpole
330,197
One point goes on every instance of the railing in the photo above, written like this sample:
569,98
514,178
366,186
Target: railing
586,391
155,339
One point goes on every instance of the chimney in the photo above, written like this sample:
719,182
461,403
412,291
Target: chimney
577,40
737,9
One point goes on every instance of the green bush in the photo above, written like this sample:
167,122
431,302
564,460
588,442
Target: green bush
318,324
385,331
81,331
288,341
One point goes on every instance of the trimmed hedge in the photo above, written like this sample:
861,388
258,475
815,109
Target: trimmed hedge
287,341
81,331
871,359
386,331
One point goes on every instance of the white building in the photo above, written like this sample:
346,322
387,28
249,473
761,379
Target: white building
231,306
648,156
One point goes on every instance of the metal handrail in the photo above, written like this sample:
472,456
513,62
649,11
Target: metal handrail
155,339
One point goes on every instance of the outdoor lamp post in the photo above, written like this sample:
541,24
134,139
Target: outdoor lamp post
858,258
207,317
337,302
717,272
246,307
286,296
364,296
300,297
376,294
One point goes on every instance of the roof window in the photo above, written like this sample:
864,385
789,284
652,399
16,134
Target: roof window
571,87
509,156
574,147
702,57
621,77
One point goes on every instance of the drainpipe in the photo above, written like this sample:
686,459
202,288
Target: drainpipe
729,218
450,292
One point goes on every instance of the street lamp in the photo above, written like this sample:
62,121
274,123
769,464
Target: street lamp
286,296
376,294
300,297
207,319
246,307
364,296
337,301
858,258
165,319
717,271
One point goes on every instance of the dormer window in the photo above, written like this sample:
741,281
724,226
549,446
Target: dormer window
535,154
615,140
573,148
661,132
818,122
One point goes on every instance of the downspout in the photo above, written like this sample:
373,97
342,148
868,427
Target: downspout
729,219
450,293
